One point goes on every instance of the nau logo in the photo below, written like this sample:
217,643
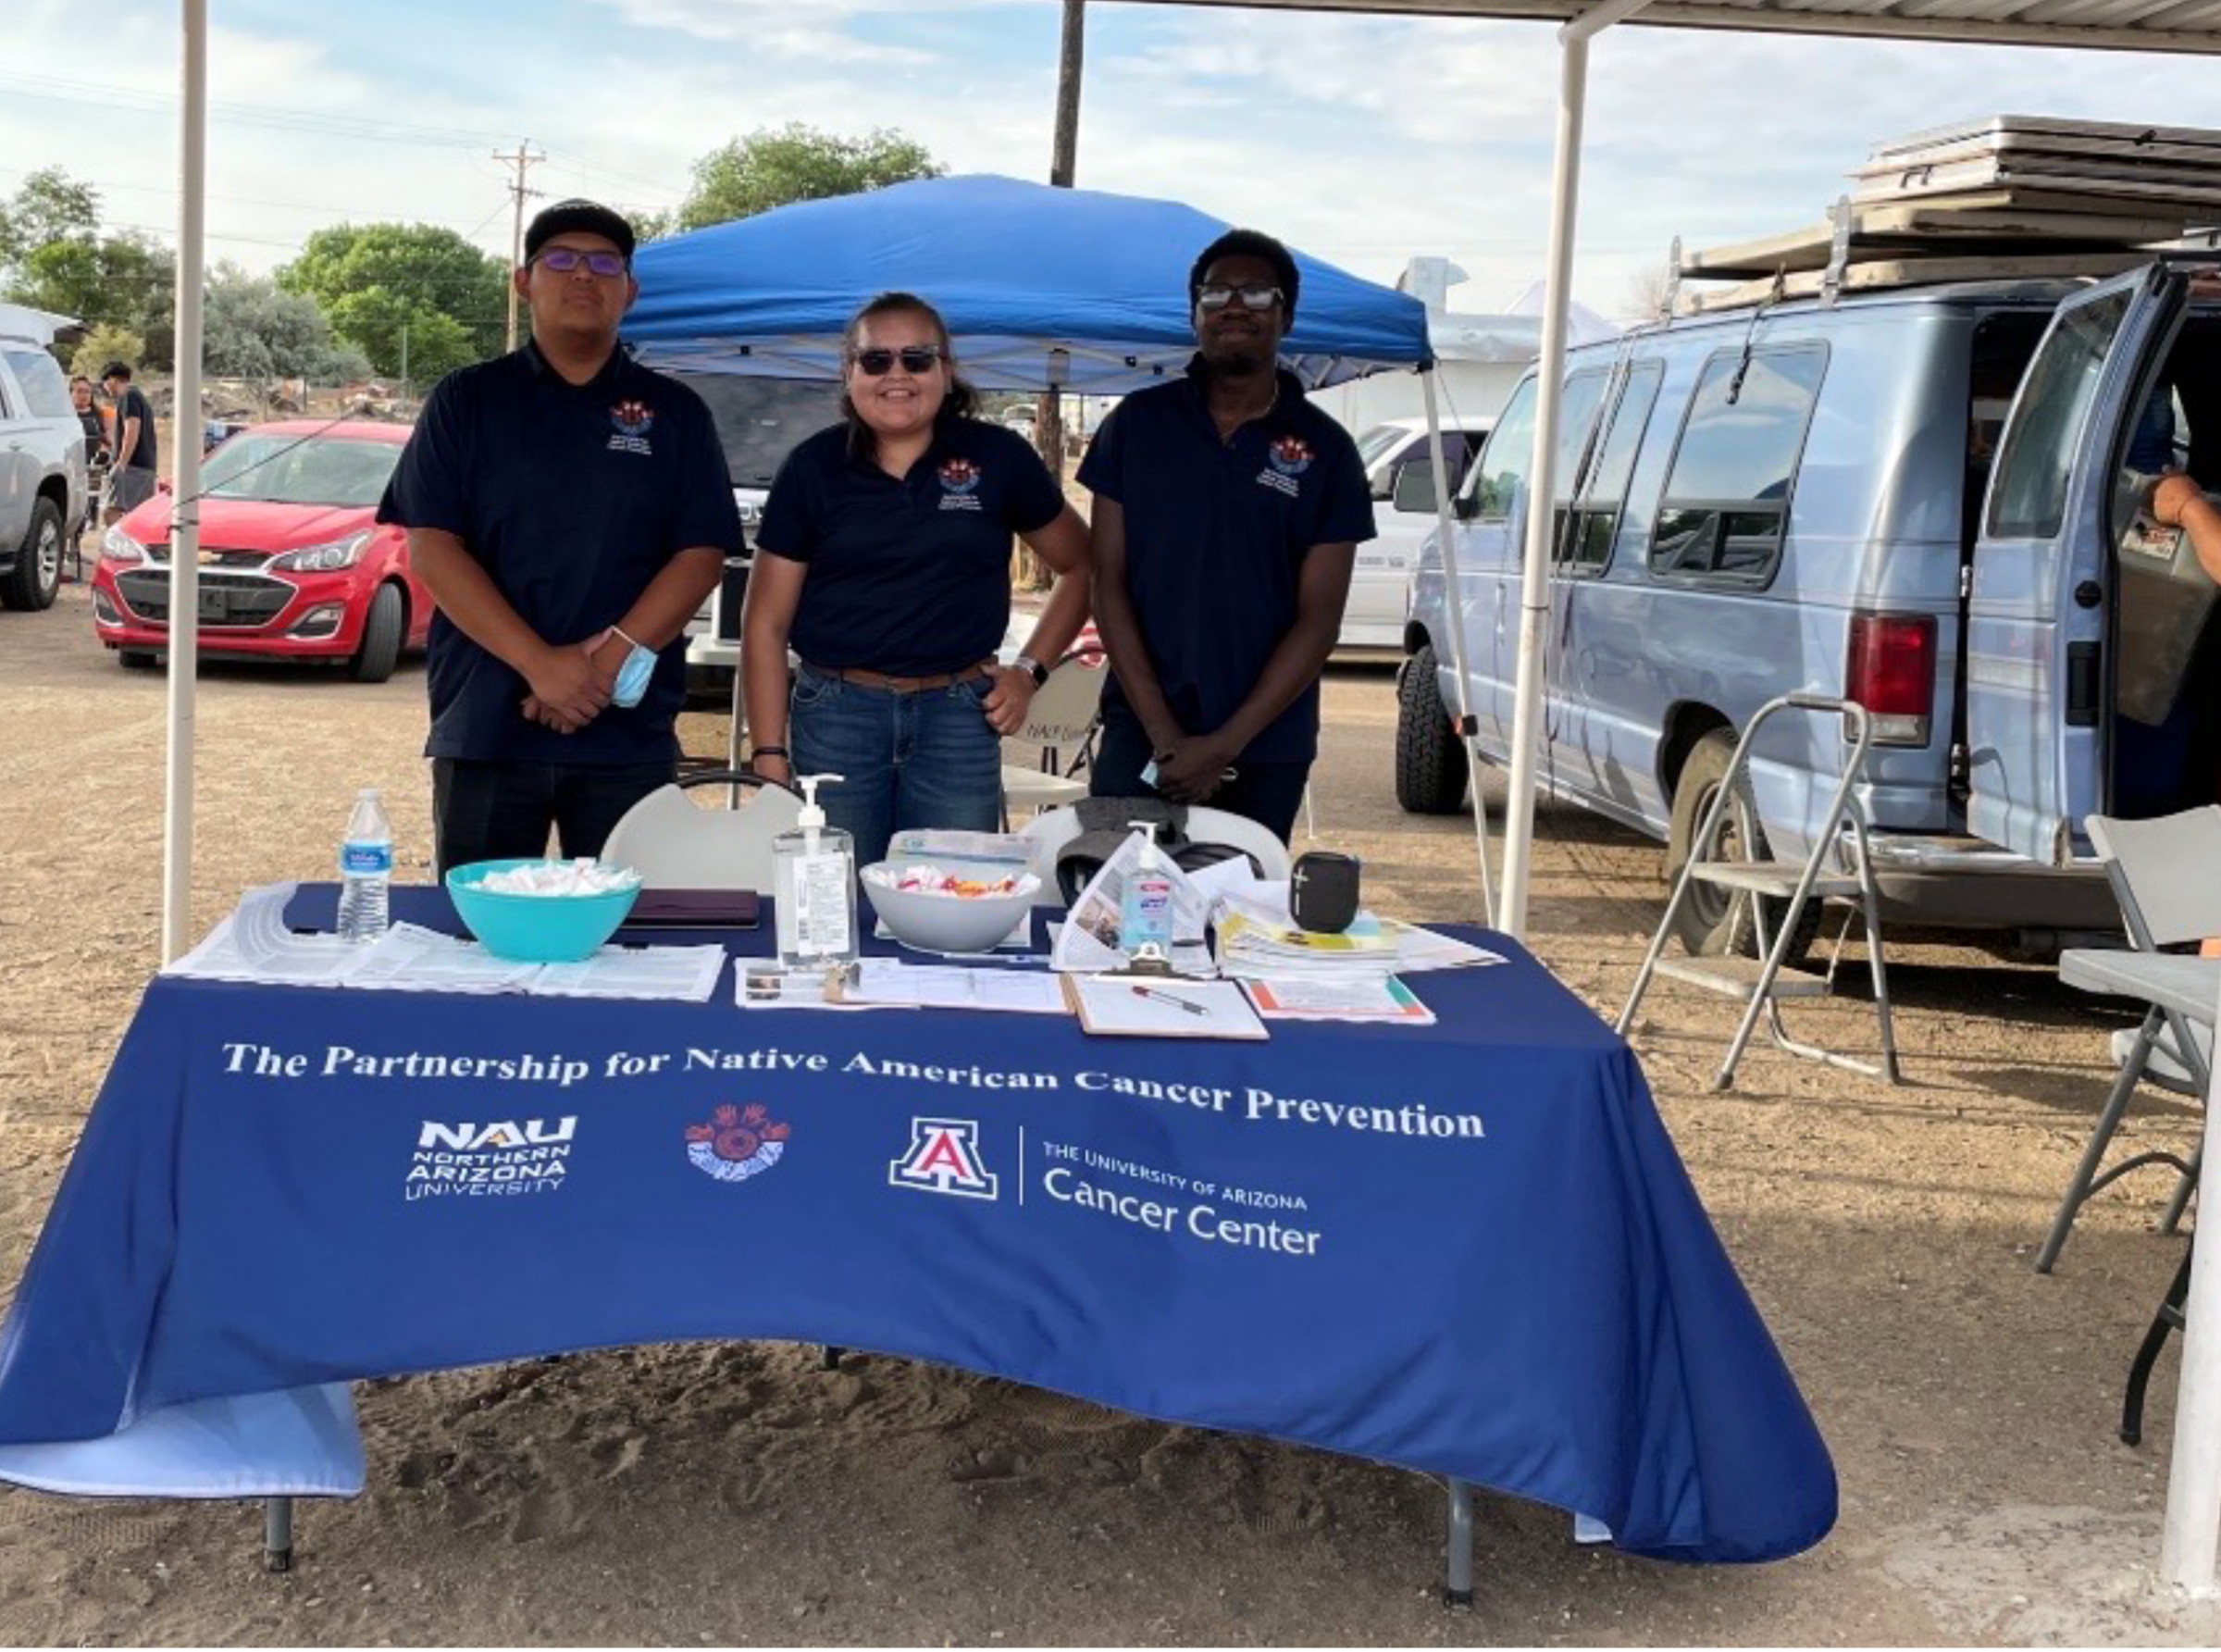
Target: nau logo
488,1139
943,1158
1291,456
736,1143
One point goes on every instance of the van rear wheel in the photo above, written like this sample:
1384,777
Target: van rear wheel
1430,763
1712,922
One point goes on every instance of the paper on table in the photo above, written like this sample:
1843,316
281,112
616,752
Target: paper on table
1347,995
689,974
1171,1008
953,987
409,959
1089,938
253,944
767,987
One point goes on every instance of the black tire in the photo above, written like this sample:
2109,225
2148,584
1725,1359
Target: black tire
1430,762
380,647
1712,922
35,579
135,659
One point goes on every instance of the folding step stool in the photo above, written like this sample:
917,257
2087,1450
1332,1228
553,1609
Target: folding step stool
1765,981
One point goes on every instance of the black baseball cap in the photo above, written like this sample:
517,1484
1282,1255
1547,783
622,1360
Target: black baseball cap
589,215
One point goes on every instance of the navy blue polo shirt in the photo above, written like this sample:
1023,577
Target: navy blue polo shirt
909,577
573,497
1216,535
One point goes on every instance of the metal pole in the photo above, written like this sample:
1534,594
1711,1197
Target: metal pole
1454,609
2192,1532
1458,1584
277,1533
1063,163
405,361
185,486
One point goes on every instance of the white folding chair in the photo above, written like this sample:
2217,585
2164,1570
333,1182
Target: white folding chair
676,843
1059,724
1206,825
2163,874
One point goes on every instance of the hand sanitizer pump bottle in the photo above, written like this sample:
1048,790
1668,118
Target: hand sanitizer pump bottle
1145,908
813,889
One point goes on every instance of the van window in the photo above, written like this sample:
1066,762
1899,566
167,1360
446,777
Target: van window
1726,503
2028,499
1589,546
1509,455
1412,486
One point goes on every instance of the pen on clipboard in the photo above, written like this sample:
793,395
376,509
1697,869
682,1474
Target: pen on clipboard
1171,998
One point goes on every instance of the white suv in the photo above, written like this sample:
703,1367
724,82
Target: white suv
41,462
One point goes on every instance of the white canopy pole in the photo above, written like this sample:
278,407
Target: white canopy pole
1542,487
2193,1533
1453,605
185,486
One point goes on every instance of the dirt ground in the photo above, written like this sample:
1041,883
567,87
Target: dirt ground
734,1493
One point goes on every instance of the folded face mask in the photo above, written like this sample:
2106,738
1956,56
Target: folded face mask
633,676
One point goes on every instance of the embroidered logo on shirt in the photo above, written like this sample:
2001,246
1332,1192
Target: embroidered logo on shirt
632,420
1290,457
960,485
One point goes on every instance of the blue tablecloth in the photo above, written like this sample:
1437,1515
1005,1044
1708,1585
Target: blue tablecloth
1469,1250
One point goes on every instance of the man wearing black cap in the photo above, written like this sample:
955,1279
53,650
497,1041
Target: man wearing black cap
569,511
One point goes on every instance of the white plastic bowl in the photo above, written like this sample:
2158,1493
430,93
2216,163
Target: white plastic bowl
941,923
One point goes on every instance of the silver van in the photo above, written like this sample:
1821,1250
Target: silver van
1927,500
41,470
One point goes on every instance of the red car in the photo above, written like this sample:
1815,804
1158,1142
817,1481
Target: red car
292,567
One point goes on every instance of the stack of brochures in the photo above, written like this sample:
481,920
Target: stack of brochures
1257,937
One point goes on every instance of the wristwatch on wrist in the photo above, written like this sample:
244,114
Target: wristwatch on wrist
1033,669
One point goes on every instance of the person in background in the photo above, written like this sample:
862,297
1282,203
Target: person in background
97,445
884,558
1226,518
569,511
133,454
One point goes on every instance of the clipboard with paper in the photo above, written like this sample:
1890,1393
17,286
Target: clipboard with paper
1167,1007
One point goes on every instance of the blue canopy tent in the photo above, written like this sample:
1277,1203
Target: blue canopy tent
1041,286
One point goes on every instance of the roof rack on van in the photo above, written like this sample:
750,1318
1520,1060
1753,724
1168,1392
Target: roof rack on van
2005,199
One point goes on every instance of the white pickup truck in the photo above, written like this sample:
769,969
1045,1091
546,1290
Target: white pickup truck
1401,475
758,421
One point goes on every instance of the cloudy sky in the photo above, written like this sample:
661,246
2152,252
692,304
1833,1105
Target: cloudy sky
1363,141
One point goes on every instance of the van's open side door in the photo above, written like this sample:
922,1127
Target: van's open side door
2038,615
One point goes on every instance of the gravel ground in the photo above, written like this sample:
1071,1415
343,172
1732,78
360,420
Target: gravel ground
733,1493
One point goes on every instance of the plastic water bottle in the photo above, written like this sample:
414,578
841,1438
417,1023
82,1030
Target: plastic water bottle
365,869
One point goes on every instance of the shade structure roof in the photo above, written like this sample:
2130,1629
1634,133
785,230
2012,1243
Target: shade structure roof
2120,25
1040,286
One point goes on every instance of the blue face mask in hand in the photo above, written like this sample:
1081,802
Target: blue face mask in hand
633,676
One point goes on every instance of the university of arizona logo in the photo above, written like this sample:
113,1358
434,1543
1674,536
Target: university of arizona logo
1290,457
960,485
944,1158
632,420
736,1143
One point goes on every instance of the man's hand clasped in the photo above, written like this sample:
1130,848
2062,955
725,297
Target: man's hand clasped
573,684
1191,769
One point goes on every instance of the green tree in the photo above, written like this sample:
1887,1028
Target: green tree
105,344
380,320
427,268
49,206
771,168
254,328
116,281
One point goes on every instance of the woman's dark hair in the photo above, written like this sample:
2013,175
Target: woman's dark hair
962,402
1249,243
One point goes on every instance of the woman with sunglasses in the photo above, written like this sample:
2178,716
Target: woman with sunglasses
883,560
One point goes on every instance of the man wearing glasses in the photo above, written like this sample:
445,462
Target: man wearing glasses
1227,514
569,511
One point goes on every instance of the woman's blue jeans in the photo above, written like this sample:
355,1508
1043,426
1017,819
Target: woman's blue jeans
928,757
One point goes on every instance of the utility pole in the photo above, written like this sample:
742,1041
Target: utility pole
1049,415
405,363
522,160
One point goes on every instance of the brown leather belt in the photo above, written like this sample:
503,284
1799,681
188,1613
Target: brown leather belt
903,684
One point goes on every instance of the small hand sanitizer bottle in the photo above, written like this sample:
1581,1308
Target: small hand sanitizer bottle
813,889
1145,908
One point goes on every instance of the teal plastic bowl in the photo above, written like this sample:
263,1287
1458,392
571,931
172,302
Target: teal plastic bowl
535,929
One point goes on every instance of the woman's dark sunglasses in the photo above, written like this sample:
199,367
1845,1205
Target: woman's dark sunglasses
563,260
915,358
